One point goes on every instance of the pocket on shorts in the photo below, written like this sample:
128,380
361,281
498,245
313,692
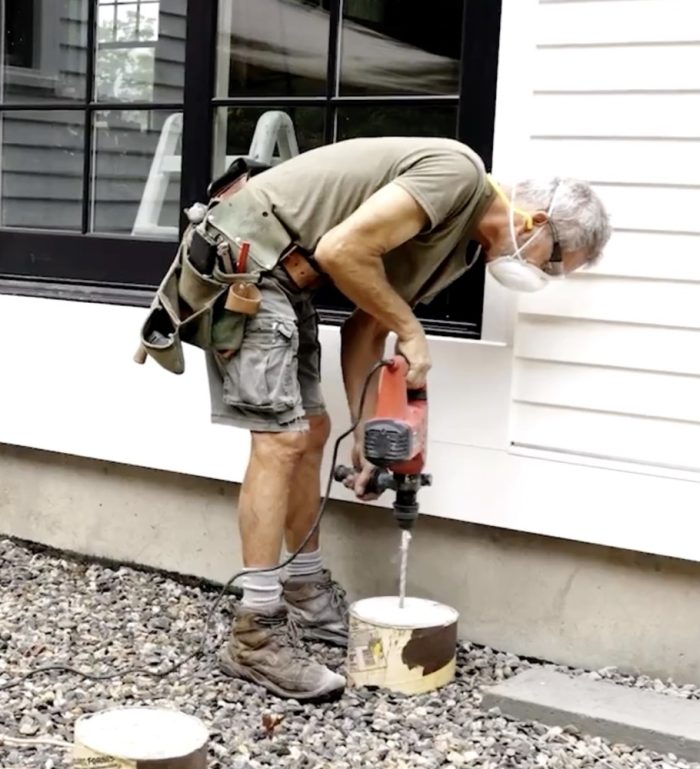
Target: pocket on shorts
262,376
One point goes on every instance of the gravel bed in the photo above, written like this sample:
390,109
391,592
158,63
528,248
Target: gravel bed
98,618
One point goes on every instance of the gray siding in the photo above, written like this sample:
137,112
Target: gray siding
43,152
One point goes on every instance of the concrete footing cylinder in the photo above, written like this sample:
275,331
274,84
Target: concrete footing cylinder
140,738
409,650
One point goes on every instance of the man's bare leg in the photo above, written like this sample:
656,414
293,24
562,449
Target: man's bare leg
305,495
259,650
265,495
263,508
313,599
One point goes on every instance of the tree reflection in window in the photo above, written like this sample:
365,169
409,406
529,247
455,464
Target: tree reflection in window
127,33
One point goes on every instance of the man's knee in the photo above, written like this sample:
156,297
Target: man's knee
285,448
319,430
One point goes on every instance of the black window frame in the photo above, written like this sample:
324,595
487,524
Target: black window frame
126,268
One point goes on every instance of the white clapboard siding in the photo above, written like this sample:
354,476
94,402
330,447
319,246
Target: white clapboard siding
643,68
600,343
653,207
625,115
620,300
661,256
616,390
607,364
670,161
617,22
661,442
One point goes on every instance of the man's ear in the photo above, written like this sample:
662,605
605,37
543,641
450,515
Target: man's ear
540,217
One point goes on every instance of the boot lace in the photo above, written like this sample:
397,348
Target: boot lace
285,630
338,597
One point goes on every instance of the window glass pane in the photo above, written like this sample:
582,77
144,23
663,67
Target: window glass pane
394,47
42,170
272,47
292,130
136,176
460,303
140,51
394,120
45,43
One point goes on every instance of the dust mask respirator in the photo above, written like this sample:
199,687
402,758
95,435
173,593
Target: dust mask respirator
512,271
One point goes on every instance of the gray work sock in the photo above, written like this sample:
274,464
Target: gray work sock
305,565
261,592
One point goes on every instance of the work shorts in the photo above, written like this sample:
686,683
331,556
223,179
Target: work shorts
273,382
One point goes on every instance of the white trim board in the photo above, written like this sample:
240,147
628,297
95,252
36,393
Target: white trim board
70,386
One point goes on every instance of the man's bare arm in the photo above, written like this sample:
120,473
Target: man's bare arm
362,345
351,254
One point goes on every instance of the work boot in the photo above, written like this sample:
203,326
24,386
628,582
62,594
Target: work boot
265,649
318,607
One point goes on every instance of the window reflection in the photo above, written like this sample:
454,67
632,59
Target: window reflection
268,135
20,40
395,47
42,169
136,173
273,47
43,56
140,50
280,47
394,120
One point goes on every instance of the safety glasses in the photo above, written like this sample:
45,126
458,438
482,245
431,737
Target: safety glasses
554,267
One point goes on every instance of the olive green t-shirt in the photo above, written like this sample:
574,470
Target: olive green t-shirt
313,192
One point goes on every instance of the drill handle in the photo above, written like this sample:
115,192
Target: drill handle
379,482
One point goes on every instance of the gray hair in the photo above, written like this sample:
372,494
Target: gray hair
579,217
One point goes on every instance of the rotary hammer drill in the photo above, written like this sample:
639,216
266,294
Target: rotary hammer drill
395,441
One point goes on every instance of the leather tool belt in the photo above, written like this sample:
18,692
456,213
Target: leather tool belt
302,269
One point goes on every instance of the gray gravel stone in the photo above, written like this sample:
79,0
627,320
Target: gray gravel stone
94,617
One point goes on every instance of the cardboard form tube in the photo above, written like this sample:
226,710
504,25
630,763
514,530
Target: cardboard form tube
411,650
140,738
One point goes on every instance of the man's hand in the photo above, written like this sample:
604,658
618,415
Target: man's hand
415,349
363,472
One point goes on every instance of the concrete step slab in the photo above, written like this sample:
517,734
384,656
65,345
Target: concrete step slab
621,714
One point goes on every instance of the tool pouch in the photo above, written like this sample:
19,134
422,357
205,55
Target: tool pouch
198,302
243,218
193,308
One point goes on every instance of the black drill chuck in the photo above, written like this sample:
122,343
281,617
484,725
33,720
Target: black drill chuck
406,487
406,502
406,514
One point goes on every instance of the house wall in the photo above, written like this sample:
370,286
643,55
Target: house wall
604,365
572,420
554,599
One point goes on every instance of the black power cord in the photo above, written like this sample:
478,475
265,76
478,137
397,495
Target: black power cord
201,647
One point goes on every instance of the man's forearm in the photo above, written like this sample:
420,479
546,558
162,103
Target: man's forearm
362,345
361,278
352,255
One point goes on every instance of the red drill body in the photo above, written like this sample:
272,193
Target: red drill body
396,441
395,438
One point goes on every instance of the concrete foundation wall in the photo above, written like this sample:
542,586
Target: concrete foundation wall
571,603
